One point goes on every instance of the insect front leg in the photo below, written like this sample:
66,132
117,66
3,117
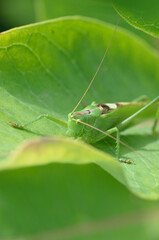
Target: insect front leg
109,133
15,125
116,130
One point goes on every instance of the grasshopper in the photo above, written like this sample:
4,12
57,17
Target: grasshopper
100,120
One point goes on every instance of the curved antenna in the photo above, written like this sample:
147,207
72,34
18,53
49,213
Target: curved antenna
98,68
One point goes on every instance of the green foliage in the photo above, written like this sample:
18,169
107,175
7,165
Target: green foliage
46,67
141,14
66,201
54,187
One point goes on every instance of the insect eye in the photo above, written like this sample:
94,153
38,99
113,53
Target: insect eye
103,108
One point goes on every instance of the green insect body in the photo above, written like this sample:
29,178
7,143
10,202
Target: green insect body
105,117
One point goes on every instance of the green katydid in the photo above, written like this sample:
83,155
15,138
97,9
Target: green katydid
97,121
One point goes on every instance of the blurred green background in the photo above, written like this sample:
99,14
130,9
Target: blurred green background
21,12
66,201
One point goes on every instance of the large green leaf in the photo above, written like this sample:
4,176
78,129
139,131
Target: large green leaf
45,68
141,14
29,11
66,201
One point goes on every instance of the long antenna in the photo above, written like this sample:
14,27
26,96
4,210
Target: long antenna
98,67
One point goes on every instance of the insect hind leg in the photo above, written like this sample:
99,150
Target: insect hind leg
129,119
142,98
154,131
